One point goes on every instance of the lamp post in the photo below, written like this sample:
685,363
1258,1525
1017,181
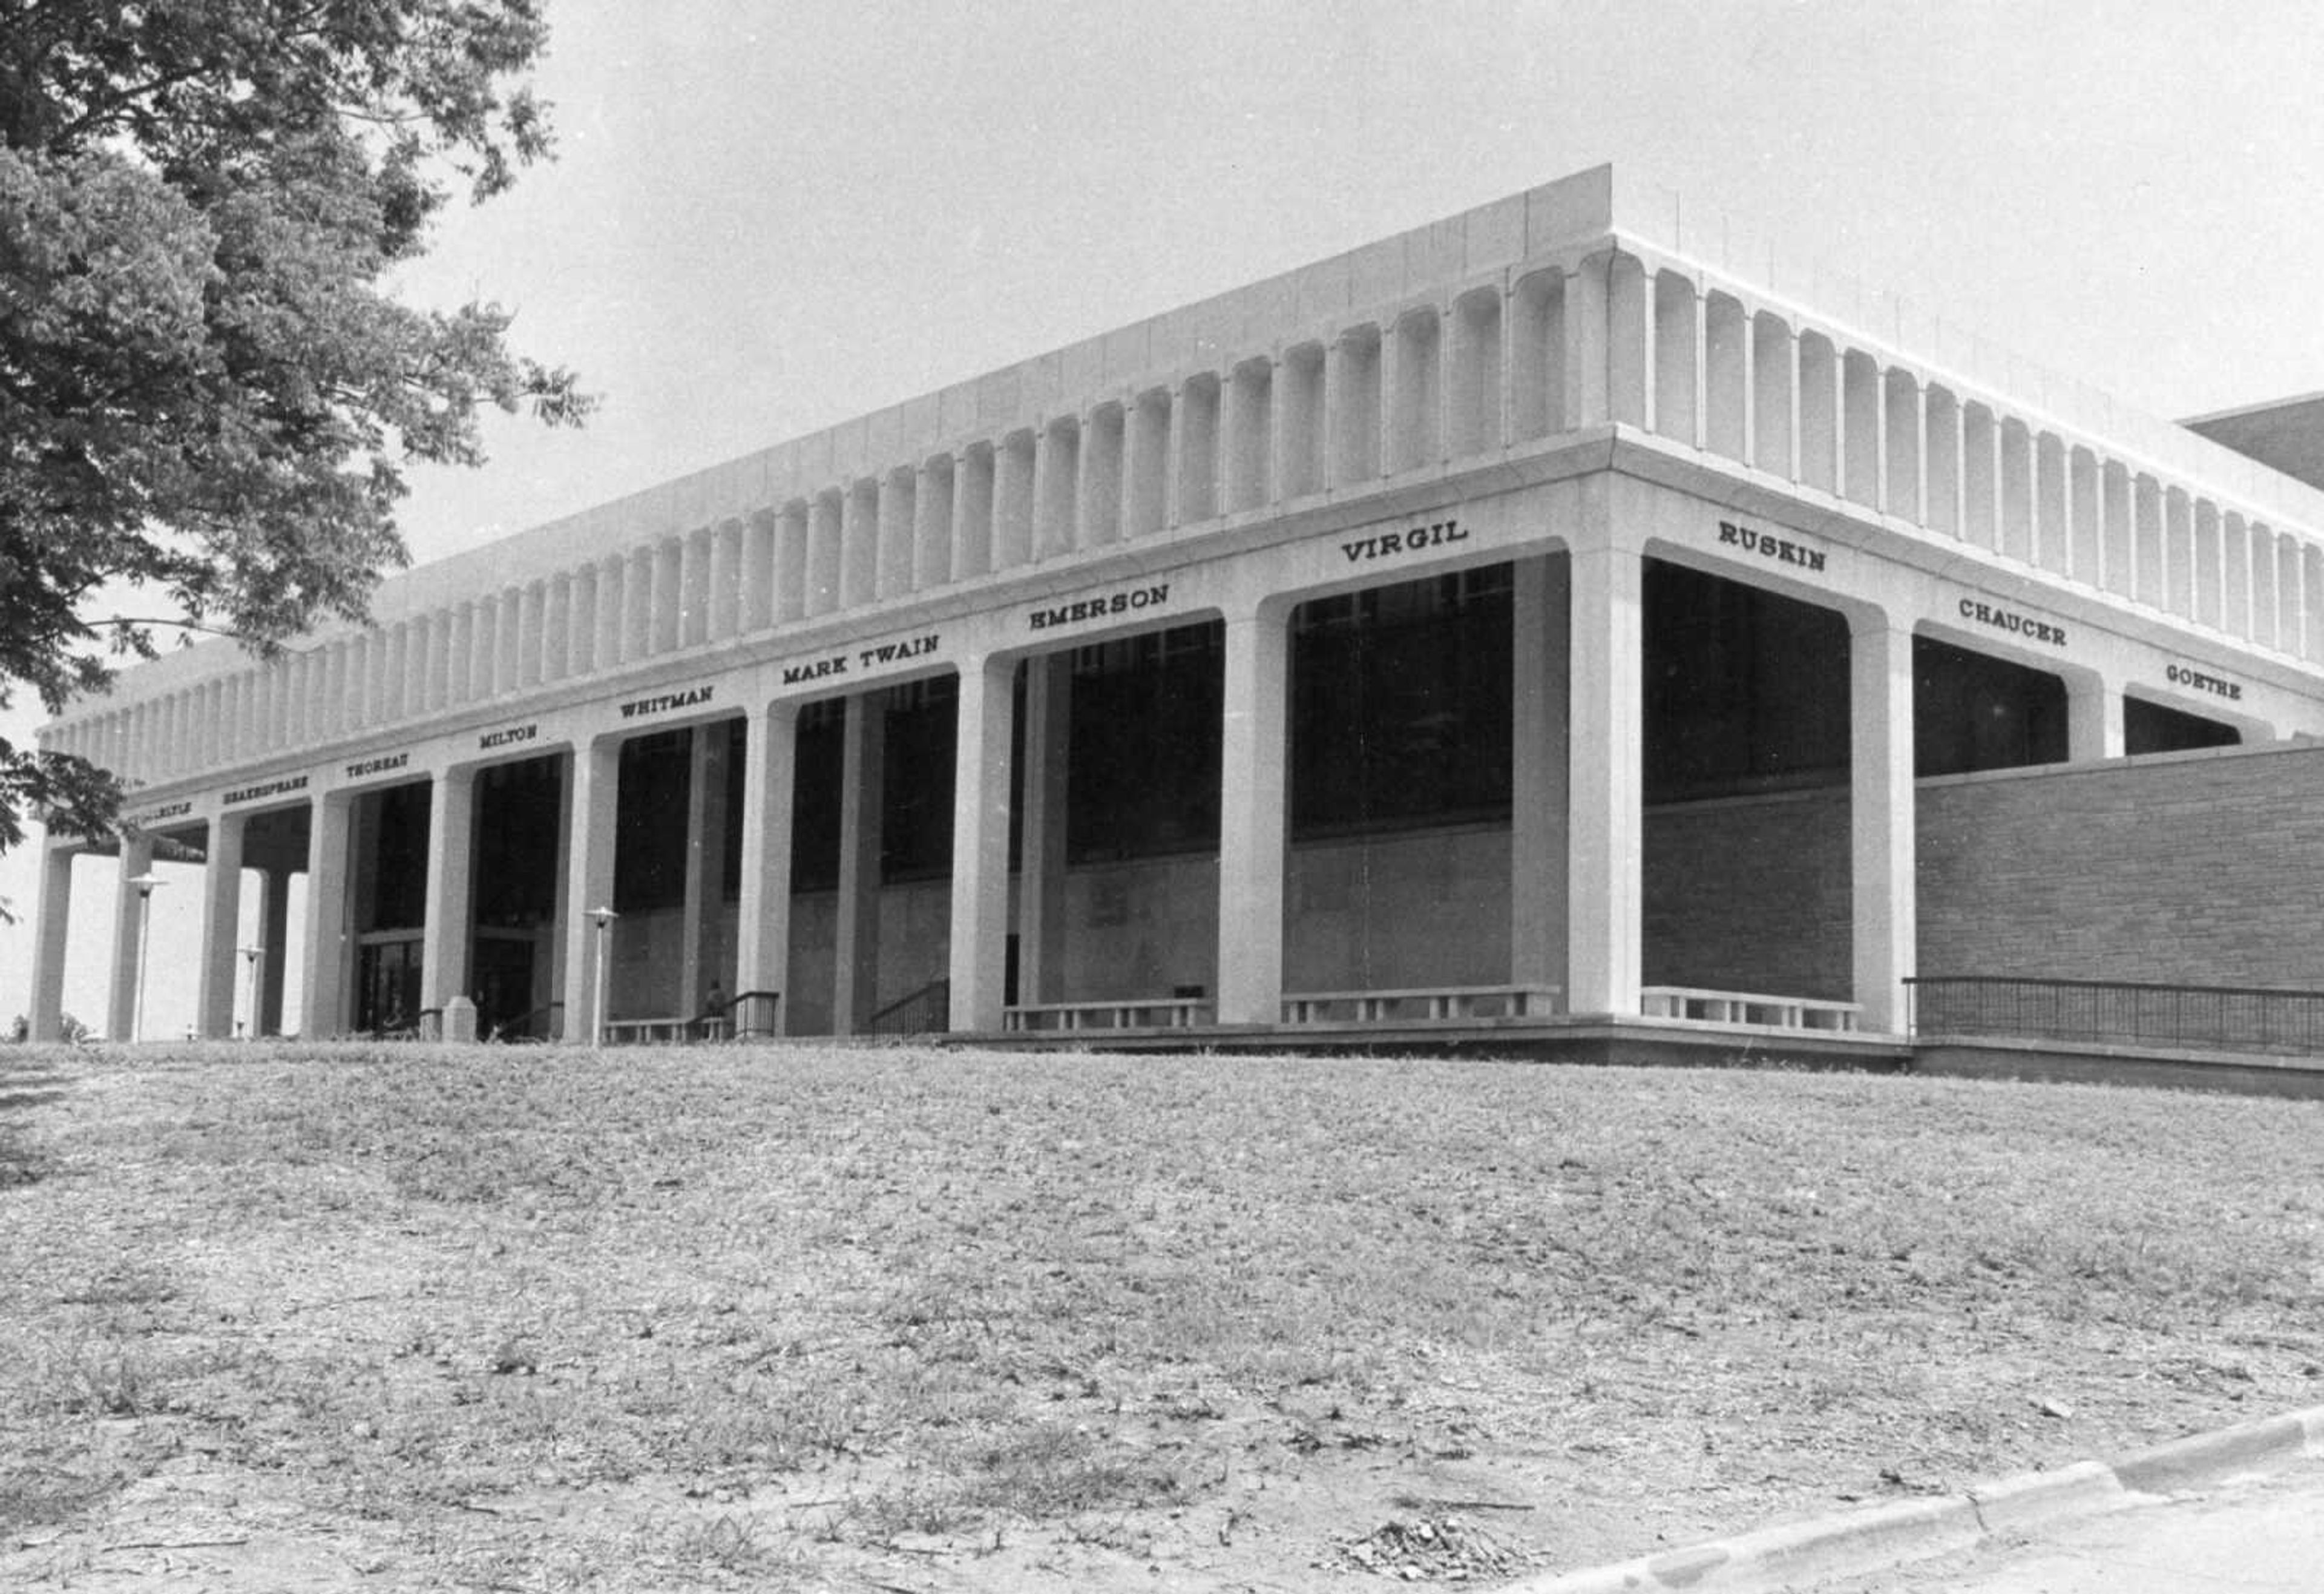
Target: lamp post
145,883
605,917
251,955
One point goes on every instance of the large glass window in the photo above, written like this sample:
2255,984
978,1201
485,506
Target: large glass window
519,813
814,795
1142,776
1971,711
2151,727
923,721
650,842
1746,690
398,881
1400,705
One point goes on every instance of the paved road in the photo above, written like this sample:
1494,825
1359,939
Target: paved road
2248,1535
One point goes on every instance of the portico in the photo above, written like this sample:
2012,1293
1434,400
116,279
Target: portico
1515,604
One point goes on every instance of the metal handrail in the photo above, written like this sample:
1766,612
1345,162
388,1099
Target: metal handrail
759,1017
519,1028
2247,1018
924,1012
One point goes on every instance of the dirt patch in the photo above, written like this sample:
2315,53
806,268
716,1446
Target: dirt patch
547,1320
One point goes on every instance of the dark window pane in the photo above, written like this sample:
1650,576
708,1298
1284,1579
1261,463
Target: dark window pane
399,896
917,776
2150,727
1400,705
1142,773
1971,711
1744,690
649,835
814,795
519,808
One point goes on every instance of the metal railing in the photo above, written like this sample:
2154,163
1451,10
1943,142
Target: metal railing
1128,1013
753,1016
1695,1005
537,1024
926,1012
2228,1018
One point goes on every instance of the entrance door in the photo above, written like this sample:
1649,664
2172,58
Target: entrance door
503,982
387,986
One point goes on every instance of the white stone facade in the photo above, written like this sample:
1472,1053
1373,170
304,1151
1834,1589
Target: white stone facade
1569,372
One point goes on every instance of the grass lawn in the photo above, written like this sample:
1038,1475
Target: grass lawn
903,1319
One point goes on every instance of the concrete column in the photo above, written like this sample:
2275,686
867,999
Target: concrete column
637,604
969,539
1699,334
899,508
275,936
451,881
560,908
1879,429
1630,352
1012,501
691,582
394,679
763,922
932,512
459,666
610,613
1145,465
1401,444
1097,484
856,944
793,560
589,874
557,628
1251,818
258,706
1056,471
980,843
431,638
49,950
701,959
1775,397
1921,458
304,668
510,637
2093,719
757,596
168,746
859,544
669,594
1606,779
221,913
725,594
1586,310
323,1004
1880,810
823,553
1538,799
1041,866
137,745
128,919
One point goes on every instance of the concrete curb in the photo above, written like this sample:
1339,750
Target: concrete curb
1854,1544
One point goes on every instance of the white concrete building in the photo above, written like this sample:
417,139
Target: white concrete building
1402,642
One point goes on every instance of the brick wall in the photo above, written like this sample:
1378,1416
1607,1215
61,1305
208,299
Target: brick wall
2193,868
2204,869
1750,894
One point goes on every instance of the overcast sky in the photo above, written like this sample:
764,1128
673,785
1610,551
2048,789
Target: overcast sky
766,218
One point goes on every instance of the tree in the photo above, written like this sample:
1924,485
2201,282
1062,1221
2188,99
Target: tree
206,391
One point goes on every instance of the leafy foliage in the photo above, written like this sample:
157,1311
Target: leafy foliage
206,392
